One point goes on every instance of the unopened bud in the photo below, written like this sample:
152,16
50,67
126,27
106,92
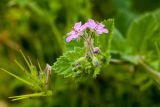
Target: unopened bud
96,50
95,62
48,69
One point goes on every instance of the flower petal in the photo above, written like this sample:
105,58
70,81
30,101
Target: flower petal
100,31
77,26
100,26
69,38
104,30
84,26
91,24
71,32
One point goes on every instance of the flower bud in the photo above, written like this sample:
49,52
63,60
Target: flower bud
96,50
95,62
77,63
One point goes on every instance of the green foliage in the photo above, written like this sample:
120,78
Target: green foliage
139,45
141,31
63,65
37,80
118,44
140,41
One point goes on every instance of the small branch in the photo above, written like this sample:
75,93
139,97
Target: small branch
117,62
150,70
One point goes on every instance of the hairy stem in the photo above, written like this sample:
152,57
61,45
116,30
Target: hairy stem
89,47
150,70
154,73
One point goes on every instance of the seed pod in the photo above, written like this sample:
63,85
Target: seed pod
95,62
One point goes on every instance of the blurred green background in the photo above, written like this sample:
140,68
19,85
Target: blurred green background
38,28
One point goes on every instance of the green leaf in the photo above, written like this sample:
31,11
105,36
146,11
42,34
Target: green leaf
96,72
118,42
140,32
63,65
156,37
157,14
22,2
158,52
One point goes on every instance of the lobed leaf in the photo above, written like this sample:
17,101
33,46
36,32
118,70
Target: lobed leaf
63,65
140,32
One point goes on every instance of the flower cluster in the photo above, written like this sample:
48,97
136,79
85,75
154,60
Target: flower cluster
78,29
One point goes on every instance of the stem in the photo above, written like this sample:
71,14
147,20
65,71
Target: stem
89,47
150,70
89,44
116,61
47,93
17,77
83,37
155,74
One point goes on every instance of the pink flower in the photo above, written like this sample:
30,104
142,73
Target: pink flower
76,31
98,27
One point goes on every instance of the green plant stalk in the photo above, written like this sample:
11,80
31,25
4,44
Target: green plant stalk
89,45
155,74
28,64
28,83
21,67
151,71
47,93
